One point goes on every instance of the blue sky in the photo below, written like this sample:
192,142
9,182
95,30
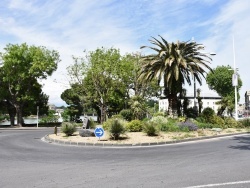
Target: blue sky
71,27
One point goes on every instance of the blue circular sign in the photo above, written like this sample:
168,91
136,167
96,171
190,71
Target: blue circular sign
99,132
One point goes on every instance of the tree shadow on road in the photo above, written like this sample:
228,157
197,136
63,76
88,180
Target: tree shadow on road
243,141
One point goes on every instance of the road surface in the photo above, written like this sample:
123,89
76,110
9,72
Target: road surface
27,161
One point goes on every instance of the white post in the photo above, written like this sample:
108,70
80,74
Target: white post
37,116
235,86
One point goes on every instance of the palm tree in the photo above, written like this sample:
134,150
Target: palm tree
175,63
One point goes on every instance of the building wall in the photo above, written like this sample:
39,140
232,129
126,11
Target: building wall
207,102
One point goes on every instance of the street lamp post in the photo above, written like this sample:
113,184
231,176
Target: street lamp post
235,84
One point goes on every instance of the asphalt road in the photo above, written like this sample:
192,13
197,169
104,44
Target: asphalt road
26,161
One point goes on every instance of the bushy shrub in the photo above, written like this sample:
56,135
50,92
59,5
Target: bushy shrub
134,126
108,123
170,126
159,120
182,119
118,116
150,128
68,128
207,114
201,119
202,125
218,120
188,126
191,113
244,122
126,114
159,114
115,127
92,123
230,122
164,124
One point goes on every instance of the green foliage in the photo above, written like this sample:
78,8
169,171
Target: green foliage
200,119
204,125
22,66
167,62
138,107
191,113
159,120
182,119
134,126
117,116
165,124
245,122
220,80
66,115
92,123
170,127
219,121
230,122
126,114
150,128
73,99
159,114
207,114
115,127
50,118
3,117
68,128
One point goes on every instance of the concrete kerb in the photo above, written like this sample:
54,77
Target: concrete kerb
82,144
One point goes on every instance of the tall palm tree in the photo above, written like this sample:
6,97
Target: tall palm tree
175,63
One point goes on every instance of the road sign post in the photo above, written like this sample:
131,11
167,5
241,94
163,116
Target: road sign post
99,132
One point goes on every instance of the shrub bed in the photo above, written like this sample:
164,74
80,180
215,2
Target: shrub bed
68,128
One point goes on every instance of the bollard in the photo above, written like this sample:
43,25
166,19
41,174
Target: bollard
55,130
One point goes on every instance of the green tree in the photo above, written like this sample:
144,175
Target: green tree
138,107
220,80
22,66
72,98
101,80
176,63
106,80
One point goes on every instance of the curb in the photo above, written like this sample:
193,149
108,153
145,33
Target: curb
82,144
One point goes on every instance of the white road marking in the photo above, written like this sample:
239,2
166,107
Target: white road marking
220,184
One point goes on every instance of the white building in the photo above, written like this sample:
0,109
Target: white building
206,102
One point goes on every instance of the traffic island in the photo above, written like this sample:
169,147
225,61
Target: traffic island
133,139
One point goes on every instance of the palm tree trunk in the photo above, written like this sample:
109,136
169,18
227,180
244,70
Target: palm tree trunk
172,107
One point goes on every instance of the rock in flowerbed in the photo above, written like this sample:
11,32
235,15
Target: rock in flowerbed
87,132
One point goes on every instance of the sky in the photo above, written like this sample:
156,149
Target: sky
72,27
